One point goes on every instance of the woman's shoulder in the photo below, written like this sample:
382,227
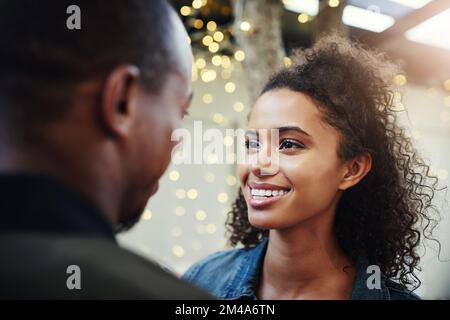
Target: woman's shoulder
224,274
400,292
221,262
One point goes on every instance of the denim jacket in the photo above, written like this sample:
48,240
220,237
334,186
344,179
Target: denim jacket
234,274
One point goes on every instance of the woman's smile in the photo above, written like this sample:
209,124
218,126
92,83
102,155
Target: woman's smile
261,195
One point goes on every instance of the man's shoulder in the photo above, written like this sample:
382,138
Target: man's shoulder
38,265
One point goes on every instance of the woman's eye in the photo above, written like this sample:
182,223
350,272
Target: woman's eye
289,144
251,144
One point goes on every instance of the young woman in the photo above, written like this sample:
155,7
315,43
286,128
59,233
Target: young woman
332,208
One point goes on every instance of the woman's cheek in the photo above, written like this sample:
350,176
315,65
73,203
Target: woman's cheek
243,172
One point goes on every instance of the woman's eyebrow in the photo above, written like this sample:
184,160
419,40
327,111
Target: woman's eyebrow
251,132
293,128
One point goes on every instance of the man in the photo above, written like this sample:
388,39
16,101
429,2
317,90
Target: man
86,116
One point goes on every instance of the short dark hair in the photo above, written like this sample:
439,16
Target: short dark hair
41,60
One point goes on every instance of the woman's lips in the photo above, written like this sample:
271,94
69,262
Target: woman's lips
257,202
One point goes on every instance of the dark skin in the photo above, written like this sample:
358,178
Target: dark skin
303,259
113,152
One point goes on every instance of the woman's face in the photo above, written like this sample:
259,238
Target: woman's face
297,176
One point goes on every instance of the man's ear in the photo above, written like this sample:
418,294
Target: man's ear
117,109
355,170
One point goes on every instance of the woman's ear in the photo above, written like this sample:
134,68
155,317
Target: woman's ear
355,170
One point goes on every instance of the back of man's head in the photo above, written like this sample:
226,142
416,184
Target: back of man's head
42,59
93,101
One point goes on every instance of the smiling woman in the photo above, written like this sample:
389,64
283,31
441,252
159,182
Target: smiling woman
341,191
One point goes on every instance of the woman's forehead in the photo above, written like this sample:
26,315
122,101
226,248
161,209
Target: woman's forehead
284,107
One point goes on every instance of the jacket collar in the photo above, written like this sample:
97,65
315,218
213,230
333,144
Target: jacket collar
361,289
244,284
245,281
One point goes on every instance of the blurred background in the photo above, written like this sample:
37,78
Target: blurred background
237,45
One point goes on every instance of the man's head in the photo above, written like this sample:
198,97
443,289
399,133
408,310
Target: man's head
94,106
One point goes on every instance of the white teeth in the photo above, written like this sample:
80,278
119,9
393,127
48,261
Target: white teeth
267,193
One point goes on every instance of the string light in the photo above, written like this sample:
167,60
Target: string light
238,106
207,98
208,75
200,63
287,62
197,4
218,36
200,215
303,18
185,11
230,87
231,180
245,26
211,26
400,80
216,60
178,251
174,175
239,55
213,47
218,118
333,3
192,194
226,62
228,141
222,197
147,215
207,40
198,24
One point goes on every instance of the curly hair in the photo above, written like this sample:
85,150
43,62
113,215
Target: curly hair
383,217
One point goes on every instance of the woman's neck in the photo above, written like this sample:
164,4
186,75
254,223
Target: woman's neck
305,262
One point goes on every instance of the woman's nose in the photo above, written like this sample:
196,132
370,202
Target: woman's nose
265,162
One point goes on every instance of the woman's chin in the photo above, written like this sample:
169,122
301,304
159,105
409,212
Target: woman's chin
260,221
